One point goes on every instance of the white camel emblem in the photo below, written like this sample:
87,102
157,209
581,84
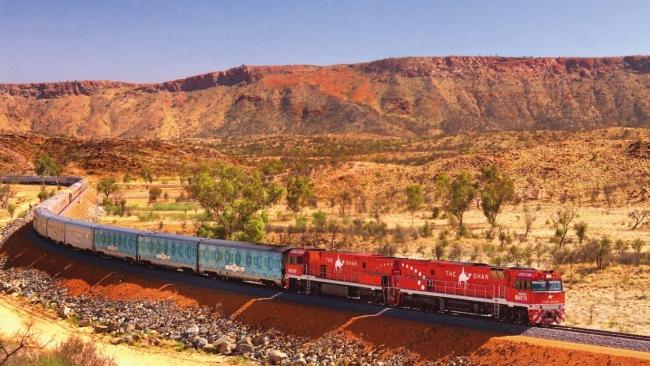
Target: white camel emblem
463,278
338,265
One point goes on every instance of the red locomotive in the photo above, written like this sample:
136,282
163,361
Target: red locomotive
522,295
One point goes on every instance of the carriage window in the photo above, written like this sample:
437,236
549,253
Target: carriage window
363,265
238,258
433,272
249,260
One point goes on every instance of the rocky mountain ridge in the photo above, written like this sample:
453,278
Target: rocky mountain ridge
403,97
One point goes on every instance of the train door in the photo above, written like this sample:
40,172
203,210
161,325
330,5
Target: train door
390,285
391,291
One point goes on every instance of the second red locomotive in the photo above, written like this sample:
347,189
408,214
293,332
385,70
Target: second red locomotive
522,295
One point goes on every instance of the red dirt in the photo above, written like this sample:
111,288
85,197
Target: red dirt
437,342
426,340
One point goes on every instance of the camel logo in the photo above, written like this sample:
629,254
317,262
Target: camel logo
112,247
234,268
463,278
163,256
338,265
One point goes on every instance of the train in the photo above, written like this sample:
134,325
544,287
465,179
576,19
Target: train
513,294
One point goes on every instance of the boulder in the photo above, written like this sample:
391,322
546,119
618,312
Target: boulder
244,346
200,342
276,356
84,322
194,329
64,311
100,328
224,345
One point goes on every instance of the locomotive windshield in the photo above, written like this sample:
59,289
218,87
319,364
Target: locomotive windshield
539,286
550,286
555,285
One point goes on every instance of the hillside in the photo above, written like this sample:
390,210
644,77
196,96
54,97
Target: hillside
403,97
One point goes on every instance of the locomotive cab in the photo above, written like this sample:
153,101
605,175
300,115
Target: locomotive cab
295,262
541,293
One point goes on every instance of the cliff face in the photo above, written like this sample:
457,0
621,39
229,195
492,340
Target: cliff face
399,97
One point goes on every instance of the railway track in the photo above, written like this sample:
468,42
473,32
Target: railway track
598,332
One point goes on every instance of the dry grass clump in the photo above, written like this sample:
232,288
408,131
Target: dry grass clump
23,350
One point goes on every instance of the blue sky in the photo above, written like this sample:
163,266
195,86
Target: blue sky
147,41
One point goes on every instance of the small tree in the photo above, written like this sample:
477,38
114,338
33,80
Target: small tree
300,192
603,250
621,246
344,199
319,219
6,192
107,186
638,217
637,246
154,193
126,179
146,173
46,165
581,230
301,223
608,192
497,188
24,341
439,249
233,197
11,208
562,220
414,199
529,218
457,194
456,251
505,236
255,229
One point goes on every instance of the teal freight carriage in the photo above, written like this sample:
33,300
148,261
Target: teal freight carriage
117,241
169,250
245,261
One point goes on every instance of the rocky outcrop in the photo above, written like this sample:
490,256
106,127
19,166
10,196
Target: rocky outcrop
230,77
59,89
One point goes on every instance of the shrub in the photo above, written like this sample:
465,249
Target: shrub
319,219
154,193
11,208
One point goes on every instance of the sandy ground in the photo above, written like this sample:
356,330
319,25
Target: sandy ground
50,331
25,196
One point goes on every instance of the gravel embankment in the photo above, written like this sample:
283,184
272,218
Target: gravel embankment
202,328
